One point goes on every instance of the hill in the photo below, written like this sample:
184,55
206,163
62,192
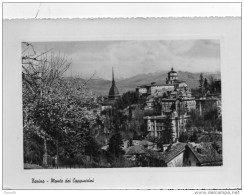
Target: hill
102,86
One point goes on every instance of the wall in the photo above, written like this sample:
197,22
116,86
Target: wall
177,161
189,159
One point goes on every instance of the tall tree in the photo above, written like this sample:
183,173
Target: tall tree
201,83
168,134
206,85
115,145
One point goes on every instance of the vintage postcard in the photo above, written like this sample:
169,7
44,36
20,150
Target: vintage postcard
94,104
106,104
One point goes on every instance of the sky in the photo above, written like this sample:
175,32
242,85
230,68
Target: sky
130,58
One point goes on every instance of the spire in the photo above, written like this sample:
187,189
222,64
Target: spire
113,76
113,92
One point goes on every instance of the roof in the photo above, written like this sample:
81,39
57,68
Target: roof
155,155
172,71
146,142
162,84
143,142
174,151
137,149
205,153
145,85
105,147
179,81
210,138
113,91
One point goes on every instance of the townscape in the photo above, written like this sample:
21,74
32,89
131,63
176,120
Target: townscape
158,124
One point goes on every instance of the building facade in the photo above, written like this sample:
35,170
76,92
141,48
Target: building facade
176,101
172,77
155,124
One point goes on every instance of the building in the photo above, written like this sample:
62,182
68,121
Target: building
155,124
203,154
174,155
159,89
175,99
149,103
172,77
113,95
192,154
113,91
144,89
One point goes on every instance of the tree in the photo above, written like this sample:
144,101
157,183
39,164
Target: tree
54,108
130,114
127,99
206,85
193,138
91,147
168,134
201,83
183,137
157,106
115,145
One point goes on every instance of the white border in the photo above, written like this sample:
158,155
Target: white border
227,176
120,10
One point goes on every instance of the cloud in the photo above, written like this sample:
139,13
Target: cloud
130,58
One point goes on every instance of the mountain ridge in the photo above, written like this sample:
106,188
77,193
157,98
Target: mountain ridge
101,86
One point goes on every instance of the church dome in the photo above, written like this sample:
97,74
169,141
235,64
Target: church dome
113,92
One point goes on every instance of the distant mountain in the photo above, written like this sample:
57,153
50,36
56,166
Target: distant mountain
102,86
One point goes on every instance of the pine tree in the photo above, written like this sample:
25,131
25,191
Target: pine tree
168,133
206,85
201,82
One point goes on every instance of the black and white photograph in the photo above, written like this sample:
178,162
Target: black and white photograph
121,104
126,103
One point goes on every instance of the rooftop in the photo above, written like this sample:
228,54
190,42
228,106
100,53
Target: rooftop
205,153
172,71
173,151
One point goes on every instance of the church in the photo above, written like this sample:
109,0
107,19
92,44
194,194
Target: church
176,101
113,91
113,95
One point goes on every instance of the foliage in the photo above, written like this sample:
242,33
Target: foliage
127,99
157,106
168,134
206,85
115,145
91,147
183,137
193,138
122,162
209,120
53,109
201,82
214,85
